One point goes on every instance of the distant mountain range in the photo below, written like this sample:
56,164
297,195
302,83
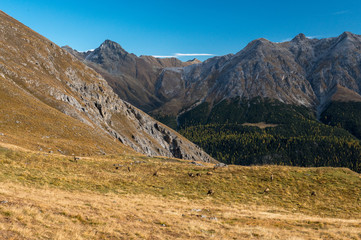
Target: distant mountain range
302,71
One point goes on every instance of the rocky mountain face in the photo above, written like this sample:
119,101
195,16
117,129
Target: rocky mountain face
133,78
302,71
42,83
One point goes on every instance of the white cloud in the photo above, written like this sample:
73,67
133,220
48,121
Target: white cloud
90,50
156,56
312,37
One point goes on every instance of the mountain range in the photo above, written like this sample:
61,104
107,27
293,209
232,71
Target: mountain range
302,71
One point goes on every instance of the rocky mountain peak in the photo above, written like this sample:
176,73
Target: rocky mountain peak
255,45
346,46
348,38
300,37
348,35
109,46
67,47
261,41
301,71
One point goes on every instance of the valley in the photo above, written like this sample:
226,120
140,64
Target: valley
260,144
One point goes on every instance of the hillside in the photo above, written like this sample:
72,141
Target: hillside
127,196
344,114
52,102
343,110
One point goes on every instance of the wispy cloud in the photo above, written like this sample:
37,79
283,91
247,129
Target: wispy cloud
157,56
341,12
313,37
176,55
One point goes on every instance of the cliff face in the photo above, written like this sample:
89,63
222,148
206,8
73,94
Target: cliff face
58,85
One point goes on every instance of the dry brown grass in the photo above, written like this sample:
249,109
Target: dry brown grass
51,197
36,213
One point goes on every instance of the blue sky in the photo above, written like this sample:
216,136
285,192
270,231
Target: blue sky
165,28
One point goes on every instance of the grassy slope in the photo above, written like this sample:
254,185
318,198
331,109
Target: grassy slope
50,196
